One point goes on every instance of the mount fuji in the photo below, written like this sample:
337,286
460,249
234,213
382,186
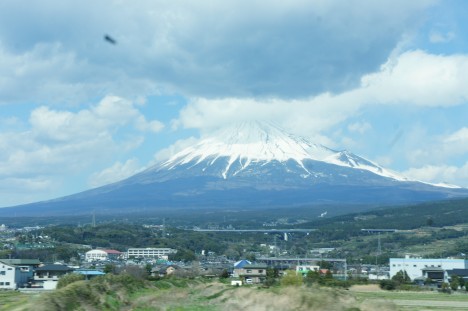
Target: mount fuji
249,165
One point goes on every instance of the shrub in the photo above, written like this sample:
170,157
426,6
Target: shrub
388,284
455,282
445,288
224,274
290,278
68,279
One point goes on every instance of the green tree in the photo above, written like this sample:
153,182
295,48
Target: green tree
136,272
325,264
455,282
272,272
5,253
110,268
271,276
148,268
401,277
183,255
429,222
65,253
312,277
250,257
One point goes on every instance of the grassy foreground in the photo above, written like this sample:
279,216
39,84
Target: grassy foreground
10,300
413,300
124,292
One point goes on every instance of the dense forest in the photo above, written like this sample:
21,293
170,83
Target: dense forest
420,228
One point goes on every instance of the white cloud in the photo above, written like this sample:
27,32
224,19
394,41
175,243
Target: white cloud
29,189
454,144
419,78
116,172
439,37
151,126
61,143
10,122
168,152
460,137
384,161
451,174
307,117
440,148
100,120
359,127
52,73
414,78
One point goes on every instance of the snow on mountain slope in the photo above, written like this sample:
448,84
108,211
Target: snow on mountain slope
260,142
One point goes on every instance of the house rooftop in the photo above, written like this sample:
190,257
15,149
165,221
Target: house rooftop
54,267
111,251
242,263
89,272
256,266
459,272
441,260
21,262
433,269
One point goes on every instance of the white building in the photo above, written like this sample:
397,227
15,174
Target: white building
13,276
101,255
162,253
8,277
418,267
47,276
304,269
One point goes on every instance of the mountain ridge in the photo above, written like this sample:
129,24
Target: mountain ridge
248,166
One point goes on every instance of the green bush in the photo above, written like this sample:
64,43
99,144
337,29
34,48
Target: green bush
290,278
388,284
68,279
110,290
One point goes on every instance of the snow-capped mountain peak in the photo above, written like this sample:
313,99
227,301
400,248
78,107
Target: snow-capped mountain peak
262,142
250,165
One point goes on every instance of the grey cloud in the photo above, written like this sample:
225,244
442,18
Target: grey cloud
209,49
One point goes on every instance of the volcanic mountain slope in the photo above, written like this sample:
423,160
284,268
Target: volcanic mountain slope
250,165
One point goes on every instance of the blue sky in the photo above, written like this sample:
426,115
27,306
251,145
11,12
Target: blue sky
386,80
